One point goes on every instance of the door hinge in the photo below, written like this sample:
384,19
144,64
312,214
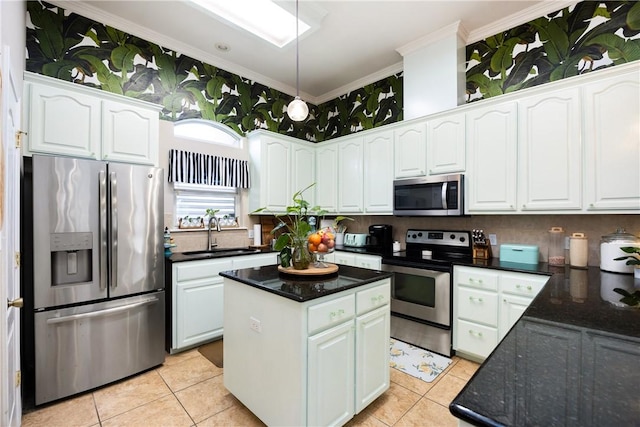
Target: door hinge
19,138
17,259
18,378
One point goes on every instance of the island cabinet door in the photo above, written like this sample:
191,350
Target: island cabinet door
331,376
372,356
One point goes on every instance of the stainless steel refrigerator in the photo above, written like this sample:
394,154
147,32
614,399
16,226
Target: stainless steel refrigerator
98,273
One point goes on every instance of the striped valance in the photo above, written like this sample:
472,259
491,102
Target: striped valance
199,168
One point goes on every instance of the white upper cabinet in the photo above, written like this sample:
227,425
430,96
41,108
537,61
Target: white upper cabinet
280,166
550,159
446,144
51,113
612,143
73,120
127,131
327,176
378,172
492,150
410,150
350,174
303,170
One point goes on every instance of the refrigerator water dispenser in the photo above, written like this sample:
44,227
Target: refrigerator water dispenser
71,256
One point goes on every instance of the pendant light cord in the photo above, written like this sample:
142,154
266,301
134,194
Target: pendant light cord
297,54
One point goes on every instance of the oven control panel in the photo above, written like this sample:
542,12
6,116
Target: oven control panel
439,237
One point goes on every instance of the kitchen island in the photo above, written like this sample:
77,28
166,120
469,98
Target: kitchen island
306,350
571,359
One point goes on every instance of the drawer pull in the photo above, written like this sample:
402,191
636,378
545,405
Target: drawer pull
338,313
472,280
473,299
521,286
378,299
477,334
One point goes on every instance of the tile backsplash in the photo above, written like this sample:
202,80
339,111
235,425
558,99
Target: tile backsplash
516,229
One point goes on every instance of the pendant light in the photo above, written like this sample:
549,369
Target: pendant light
297,109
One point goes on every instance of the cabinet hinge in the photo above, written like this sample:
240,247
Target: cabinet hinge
17,257
19,138
18,378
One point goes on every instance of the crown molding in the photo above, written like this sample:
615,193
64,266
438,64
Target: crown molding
541,9
371,78
87,10
455,28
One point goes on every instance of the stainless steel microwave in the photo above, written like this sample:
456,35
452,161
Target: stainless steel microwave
441,195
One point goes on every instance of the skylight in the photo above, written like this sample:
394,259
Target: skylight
263,18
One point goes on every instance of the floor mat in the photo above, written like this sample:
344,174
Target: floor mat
213,352
416,361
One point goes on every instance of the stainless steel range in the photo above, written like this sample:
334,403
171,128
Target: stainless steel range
422,290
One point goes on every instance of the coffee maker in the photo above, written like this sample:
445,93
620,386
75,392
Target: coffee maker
380,238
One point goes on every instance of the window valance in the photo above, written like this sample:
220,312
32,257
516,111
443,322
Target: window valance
198,168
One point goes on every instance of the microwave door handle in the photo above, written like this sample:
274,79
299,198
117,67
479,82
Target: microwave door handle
114,229
102,248
444,195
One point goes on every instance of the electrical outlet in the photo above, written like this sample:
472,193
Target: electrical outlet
255,324
251,234
493,240
567,242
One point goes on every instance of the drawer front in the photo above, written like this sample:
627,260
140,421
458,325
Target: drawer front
478,306
331,313
521,284
477,278
251,261
476,339
193,270
373,298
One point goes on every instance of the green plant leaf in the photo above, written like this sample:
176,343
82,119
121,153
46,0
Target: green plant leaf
633,17
122,57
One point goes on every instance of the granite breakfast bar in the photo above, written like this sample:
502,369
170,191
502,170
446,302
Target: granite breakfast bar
571,360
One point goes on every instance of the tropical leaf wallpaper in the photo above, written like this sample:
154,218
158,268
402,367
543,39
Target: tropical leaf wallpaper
579,39
70,47
583,38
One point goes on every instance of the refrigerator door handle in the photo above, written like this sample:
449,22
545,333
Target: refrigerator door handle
114,229
102,252
105,312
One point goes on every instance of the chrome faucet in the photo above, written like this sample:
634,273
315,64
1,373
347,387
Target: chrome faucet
212,244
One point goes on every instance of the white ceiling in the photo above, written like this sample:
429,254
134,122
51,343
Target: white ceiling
355,45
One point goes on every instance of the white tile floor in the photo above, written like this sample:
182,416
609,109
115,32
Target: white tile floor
188,390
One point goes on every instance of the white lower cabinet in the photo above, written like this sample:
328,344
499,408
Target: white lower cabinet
197,297
372,262
323,360
372,330
486,304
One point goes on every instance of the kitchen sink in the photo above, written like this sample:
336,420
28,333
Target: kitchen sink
222,252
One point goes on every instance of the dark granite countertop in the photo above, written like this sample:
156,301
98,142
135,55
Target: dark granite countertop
571,359
303,288
214,254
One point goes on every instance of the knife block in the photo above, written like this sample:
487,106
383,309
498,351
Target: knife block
481,251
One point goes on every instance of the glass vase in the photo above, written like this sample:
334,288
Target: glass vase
300,256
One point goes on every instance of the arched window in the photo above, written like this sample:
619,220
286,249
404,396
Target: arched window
206,131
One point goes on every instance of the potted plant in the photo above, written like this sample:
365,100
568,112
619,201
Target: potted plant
292,242
632,259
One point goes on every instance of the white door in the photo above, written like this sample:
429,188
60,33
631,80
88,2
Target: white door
11,404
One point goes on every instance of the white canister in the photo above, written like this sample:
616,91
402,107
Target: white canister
578,250
610,250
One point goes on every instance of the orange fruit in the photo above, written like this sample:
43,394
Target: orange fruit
315,239
312,247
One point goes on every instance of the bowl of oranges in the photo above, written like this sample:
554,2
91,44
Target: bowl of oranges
321,242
